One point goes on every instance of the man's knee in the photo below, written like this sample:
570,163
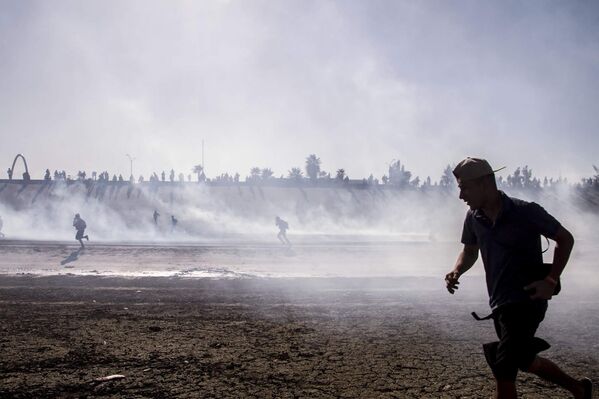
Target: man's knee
506,359
535,366
530,362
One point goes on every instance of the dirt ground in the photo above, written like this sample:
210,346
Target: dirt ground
261,338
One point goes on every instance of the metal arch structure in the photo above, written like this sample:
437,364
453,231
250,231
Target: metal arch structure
12,168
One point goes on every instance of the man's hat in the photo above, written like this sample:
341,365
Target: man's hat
473,168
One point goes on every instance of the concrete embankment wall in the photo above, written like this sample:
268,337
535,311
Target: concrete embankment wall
117,210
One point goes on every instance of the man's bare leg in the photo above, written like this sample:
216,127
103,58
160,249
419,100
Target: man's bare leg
279,236
506,389
549,371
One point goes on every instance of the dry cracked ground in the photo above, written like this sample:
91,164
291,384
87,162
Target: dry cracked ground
260,338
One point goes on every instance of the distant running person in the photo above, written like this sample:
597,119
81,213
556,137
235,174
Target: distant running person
80,225
156,215
283,227
1,224
174,222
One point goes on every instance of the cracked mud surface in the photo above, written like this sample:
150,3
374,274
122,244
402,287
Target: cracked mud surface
285,338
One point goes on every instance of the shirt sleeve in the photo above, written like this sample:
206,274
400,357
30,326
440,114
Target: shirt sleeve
468,236
541,220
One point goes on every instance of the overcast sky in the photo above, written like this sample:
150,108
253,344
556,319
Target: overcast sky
265,83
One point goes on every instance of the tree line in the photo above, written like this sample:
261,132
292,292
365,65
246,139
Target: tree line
398,176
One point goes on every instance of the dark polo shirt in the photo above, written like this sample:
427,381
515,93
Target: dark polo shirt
511,248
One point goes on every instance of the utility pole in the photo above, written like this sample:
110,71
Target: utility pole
131,159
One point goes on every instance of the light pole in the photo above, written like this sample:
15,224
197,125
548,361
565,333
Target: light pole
131,159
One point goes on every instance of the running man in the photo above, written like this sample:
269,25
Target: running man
155,216
283,226
80,225
507,232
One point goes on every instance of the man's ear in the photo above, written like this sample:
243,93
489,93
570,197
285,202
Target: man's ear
487,185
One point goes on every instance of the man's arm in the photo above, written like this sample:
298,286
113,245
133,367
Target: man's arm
465,261
543,289
563,248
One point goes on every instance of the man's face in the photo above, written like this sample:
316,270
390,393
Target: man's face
472,192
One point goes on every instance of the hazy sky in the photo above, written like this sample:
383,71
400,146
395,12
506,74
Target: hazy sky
265,83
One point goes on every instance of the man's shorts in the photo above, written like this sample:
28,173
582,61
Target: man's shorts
516,325
79,234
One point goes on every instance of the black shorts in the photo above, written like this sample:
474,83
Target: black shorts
79,234
516,325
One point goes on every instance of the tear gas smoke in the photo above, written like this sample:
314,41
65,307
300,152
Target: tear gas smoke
381,230
124,212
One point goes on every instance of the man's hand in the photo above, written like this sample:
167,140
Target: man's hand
465,261
541,289
451,281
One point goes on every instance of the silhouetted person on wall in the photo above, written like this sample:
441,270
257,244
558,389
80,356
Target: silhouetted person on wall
80,225
283,226
507,232
9,171
47,175
26,176
174,222
155,216
163,176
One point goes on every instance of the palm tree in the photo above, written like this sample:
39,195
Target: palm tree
266,173
255,173
312,166
516,179
199,170
398,175
447,179
295,174
340,174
